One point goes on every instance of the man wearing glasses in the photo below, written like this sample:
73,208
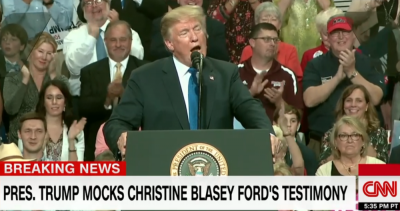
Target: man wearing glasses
326,76
268,80
85,45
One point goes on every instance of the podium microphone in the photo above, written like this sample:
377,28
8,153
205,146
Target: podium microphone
197,62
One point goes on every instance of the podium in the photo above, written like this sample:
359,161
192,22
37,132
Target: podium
199,152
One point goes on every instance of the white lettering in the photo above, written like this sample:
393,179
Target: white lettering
8,168
18,168
84,168
116,168
69,168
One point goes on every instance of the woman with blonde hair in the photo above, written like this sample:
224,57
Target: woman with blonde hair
349,142
355,101
282,169
21,89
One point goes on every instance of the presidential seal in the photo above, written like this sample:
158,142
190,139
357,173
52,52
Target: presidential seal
199,159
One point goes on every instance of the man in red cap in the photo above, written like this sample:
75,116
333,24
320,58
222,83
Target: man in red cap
326,76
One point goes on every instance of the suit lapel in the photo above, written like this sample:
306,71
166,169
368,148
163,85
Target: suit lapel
210,79
128,70
174,90
104,73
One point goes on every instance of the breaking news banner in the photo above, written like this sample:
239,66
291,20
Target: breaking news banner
378,187
77,185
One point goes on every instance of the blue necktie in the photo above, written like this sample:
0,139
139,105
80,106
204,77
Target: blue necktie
193,93
122,4
12,67
100,48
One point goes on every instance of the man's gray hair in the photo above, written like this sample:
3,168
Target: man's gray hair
269,8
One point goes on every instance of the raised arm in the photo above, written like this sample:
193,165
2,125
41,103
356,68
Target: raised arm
78,50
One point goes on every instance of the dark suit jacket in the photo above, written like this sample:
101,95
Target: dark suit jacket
216,42
395,155
139,17
153,100
3,72
94,82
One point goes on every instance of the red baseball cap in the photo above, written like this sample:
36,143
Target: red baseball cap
342,22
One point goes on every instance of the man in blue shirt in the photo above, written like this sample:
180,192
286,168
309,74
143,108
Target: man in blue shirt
34,15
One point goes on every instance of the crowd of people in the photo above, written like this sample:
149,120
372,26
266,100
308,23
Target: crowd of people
320,79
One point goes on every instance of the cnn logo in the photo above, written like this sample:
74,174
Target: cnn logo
374,188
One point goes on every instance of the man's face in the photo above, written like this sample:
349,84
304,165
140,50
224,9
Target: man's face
265,45
118,42
11,45
186,37
32,134
190,2
95,10
341,40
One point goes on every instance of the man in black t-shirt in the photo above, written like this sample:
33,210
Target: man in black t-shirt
326,76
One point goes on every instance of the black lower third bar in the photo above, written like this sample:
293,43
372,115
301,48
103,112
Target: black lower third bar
379,206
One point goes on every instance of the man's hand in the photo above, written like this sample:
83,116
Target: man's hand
93,29
122,144
275,95
340,74
258,84
115,89
283,122
348,61
113,15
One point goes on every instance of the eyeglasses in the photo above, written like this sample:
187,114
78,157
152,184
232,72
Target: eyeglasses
92,3
268,39
353,137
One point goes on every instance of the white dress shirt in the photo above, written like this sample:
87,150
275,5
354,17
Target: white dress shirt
113,67
80,51
184,76
113,70
138,2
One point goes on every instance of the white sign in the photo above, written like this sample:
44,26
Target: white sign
58,33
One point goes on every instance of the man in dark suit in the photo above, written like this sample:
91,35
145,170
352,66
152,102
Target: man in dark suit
103,82
163,95
139,14
395,155
216,45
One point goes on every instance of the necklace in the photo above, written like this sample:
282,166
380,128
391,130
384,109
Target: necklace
388,18
348,168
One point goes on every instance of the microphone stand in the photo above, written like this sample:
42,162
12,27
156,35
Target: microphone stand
200,111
